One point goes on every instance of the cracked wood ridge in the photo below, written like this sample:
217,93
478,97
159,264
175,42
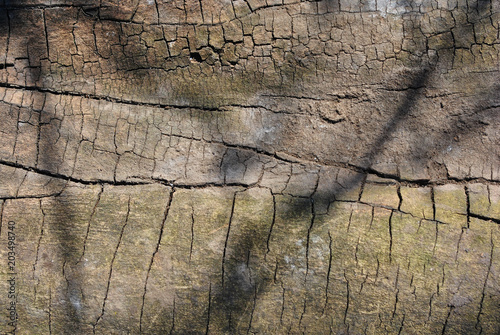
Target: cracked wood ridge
250,166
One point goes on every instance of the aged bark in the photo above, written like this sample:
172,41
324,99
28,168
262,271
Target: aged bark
249,166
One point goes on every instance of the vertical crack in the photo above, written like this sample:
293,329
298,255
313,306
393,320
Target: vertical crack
50,311
64,275
253,310
371,219
356,250
46,34
95,36
488,189
313,217
272,225
14,147
398,190
377,270
350,220
165,216
395,305
227,237
39,131
99,318
192,234
303,313
483,293
458,244
446,320
201,10
433,204
330,259
1,215
396,282
40,239
430,307
402,325
173,319
275,275
157,12
362,188
347,299
90,222
282,303
467,200
390,237
363,283
21,184
209,308
435,239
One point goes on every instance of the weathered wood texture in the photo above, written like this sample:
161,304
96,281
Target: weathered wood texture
250,166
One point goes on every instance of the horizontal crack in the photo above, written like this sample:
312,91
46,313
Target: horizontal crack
148,181
37,196
484,218
68,178
278,155
5,65
103,97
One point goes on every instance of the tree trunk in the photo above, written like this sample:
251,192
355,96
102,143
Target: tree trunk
249,166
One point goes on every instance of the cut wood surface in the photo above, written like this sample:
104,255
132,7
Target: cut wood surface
249,166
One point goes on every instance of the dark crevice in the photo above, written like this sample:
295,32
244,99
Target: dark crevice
400,197
333,121
302,314
467,201
99,318
5,65
102,97
430,306
37,196
484,218
362,188
402,325
209,308
330,259
2,206
253,310
282,303
195,56
346,311
192,234
90,222
42,231
173,318
433,204
390,237
20,5
356,250
227,239
308,241
160,235
272,226
483,293
50,311
69,178
458,243
395,305
446,320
